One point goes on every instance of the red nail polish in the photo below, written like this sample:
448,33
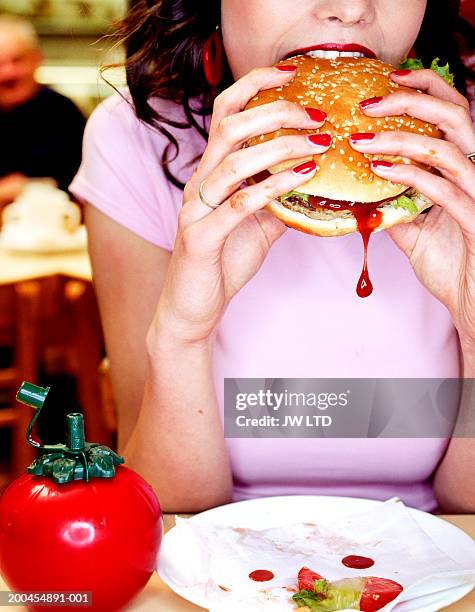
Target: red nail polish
381,163
362,137
370,102
286,68
401,73
315,114
305,168
321,140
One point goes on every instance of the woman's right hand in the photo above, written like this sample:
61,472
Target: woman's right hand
217,251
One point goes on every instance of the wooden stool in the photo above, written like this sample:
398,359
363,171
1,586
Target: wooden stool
19,316
88,351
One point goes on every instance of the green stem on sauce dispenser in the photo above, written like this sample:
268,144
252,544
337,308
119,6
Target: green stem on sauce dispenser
75,460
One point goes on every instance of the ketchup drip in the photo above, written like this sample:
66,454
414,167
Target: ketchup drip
368,218
261,575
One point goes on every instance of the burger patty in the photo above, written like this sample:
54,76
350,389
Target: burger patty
322,214
301,205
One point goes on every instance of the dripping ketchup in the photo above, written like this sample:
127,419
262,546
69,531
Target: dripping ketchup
368,219
357,562
261,575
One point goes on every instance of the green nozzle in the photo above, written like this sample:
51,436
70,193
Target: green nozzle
32,395
75,460
75,425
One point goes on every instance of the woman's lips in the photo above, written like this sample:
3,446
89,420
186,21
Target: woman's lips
348,47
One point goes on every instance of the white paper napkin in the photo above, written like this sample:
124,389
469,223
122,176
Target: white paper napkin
213,562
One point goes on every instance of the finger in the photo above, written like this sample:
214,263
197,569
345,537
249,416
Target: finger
431,83
234,98
238,166
441,191
451,118
211,231
440,154
245,163
234,130
405,235
272,228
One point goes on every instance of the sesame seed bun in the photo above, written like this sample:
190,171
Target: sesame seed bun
336,86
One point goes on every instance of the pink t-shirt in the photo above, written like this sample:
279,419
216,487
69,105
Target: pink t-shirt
298,317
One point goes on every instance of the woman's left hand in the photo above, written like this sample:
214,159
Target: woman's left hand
440,244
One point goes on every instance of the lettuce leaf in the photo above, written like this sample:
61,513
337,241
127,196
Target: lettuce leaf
329,597
321,587
302,196
411,63
416,64
406,203
443,71
306,598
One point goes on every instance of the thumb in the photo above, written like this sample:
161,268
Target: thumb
272,227
405,236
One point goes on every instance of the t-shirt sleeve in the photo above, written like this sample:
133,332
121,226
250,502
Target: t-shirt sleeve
121,173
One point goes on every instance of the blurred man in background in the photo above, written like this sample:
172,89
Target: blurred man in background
40,129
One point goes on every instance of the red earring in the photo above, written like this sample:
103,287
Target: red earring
213,59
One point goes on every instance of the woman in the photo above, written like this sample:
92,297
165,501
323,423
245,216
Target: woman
191,294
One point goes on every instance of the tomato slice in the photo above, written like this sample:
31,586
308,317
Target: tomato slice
377,593
307,578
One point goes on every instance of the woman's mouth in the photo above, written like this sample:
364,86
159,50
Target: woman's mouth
333,50
332,54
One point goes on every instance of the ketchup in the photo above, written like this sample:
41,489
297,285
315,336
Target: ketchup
357,562
368,218
261,575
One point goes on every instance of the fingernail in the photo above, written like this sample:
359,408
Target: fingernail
370,102
362,137
286,68
381,163
400,73
321,140
315,114
305,168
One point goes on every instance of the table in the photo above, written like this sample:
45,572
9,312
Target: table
157,597
17,267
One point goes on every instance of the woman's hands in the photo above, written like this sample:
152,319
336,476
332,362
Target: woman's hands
217,251
440,244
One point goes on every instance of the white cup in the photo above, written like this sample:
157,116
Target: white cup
42,209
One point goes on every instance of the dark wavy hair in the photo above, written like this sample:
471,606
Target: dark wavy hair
163,41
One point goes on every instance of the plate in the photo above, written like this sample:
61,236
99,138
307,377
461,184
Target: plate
268,512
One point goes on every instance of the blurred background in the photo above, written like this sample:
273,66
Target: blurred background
69,32
50,333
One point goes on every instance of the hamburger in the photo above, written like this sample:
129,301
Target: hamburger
344,195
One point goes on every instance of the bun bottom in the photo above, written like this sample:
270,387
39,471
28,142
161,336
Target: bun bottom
339,226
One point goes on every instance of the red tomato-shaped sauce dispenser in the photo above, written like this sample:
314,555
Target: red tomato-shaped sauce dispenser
78,521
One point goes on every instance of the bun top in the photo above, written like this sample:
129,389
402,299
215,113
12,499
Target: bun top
336,86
